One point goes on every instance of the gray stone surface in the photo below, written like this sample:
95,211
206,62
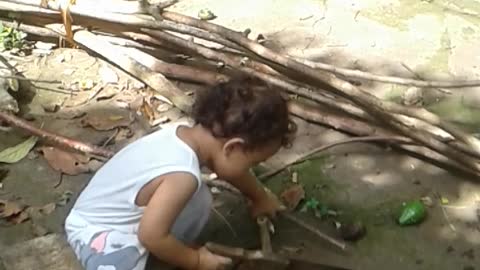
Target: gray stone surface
50,252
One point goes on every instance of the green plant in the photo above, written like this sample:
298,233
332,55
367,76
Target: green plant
319,210
11,38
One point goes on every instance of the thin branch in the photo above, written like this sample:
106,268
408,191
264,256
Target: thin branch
234,233
306,155
373,105
358,74
20,78
448,92
326,67
54,138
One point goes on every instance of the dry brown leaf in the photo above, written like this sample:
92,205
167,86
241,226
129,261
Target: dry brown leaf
83,97
65,162
108,121
48,208
108,92
39,230
19,218
9,209
293,196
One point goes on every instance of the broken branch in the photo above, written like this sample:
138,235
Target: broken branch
53,138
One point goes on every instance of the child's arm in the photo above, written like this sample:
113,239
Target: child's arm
162,210
262,202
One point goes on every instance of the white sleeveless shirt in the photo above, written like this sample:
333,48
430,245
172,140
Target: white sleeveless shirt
109,199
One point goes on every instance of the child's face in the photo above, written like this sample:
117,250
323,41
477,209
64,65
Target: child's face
235,161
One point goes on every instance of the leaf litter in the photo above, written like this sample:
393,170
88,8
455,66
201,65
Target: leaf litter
292,196
16,153
102,120
67,162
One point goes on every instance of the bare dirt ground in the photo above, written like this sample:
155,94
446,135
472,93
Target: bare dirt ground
437,39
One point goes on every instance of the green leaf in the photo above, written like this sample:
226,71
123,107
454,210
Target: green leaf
16,153
206,14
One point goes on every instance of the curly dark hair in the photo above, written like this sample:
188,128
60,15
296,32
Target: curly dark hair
247,108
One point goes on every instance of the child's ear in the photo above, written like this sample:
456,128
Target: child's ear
231,144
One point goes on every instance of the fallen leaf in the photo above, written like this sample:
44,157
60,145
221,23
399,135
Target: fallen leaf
44,45
108,75
108,92
160,120
123,134
94,165
18,218
65,162
13,84
48,208
39,230
444,200
293,196
163,107
83,97
295,177
206,14
68,71
18,152
107,121
86,84
116,117
64,198
9,209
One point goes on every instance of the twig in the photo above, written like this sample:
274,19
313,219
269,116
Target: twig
445,214
53,138
124,19
60,180
155,80
360,128
358,74
225,221
59,91
326,67
111,137
340,244
448,92
20,78
221,184
385,112
305,155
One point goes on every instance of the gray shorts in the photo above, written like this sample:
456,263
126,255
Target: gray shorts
100,248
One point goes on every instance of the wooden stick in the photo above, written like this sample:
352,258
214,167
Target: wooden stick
53,138
370,103
338,243
330,68
306,155
123,19
358,74
175,71
360,128
153,79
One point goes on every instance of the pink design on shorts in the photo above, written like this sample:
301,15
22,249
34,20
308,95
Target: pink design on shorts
98,244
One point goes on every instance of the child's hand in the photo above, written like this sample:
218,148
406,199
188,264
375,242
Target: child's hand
209,261
267,205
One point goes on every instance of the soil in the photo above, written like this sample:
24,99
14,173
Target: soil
356,182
